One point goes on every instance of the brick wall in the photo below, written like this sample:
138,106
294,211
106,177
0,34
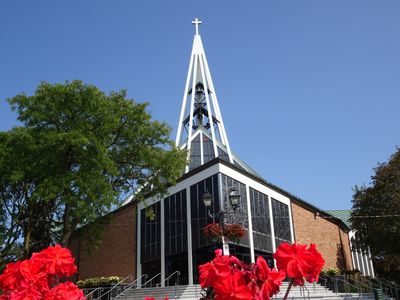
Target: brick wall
331,240
117,252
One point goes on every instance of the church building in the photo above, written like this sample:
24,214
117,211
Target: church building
216,187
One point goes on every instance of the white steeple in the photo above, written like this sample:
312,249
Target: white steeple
201,129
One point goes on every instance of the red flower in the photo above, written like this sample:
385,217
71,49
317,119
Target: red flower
317,262
299,262
271,279
26,293
29,279
232,287
11,277
149,298
57,261
65,291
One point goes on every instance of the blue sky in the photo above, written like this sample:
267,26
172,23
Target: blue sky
309,90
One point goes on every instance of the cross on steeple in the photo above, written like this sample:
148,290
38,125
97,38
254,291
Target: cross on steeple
196,22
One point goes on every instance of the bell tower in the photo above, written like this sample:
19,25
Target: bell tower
201,128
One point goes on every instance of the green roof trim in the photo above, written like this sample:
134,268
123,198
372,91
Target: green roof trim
342,214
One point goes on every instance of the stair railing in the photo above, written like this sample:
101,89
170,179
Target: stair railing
347,286
391,286
166,280
117,287
131,285
151,279
89,293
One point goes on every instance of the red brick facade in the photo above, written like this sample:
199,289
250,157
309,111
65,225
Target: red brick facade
331,240
117,252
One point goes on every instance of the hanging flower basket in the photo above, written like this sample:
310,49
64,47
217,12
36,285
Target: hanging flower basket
234,232
212,232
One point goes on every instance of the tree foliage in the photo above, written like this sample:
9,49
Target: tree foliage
78,153
376,214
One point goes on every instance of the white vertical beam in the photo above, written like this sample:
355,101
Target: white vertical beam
138,249
189,235
221,128
189,139
360,254
184,102
201,148
372,274
162,227
291,222
209,108
249,218
271,222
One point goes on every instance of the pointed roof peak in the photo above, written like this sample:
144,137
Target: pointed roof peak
196,22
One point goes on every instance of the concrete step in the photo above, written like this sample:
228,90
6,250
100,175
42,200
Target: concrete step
193,292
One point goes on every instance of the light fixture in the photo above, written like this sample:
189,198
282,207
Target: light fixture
207,199
234,198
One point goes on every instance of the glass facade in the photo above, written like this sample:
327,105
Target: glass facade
202,250
195,153
175,220
175,227
150,241
208,149
280,214
261,221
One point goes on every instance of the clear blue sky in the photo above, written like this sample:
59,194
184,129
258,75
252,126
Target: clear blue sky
309,90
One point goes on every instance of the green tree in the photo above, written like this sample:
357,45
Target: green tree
376,216
79,153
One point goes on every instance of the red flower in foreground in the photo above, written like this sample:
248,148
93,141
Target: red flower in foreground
57,261
234,280
11,277
232,287
299,262
65,291
149,298
31,279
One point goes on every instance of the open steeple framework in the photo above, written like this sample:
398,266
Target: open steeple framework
201,128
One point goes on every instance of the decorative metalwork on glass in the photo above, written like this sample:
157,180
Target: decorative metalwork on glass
240,215
280,213
261,221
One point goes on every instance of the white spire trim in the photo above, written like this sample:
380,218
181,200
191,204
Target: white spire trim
199,71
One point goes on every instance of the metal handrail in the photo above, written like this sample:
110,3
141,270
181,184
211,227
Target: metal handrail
151,279
347,284
167,279
93,290
115,286
131,285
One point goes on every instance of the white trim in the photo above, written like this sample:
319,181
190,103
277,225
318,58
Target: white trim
191,109
291,224
162,228
210,115
253,184
189,235
250,225
372,274
184,101
138,249
201,149
271,220
221,128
